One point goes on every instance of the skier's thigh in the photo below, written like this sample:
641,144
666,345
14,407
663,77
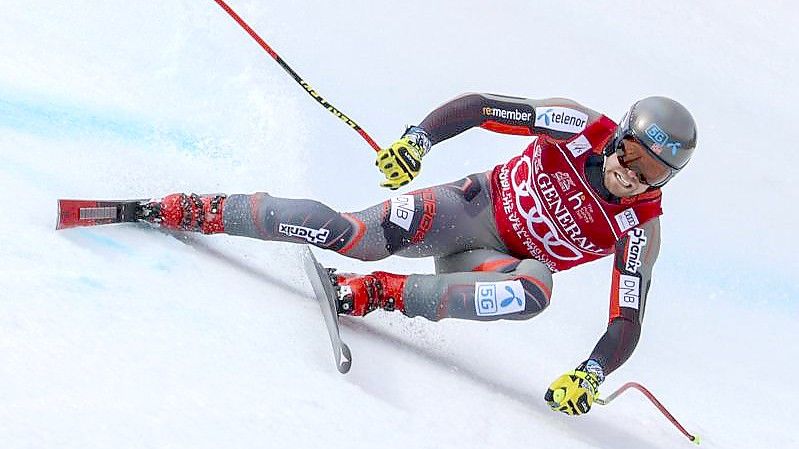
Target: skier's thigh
533,269
476,260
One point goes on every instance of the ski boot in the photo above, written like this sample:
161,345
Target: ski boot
361,294
199,213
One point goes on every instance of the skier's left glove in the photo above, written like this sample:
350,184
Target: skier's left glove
574,392
402,161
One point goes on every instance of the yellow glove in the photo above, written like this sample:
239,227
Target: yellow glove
574,392
402,161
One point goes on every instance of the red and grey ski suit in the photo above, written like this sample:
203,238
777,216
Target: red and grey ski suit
497,237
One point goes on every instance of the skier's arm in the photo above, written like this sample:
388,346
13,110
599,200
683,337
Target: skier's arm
574,392
560,118
500,113
635,256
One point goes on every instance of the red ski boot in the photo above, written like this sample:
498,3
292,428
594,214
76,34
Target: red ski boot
361,294
199,213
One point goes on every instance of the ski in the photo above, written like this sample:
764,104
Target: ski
326,295
75,213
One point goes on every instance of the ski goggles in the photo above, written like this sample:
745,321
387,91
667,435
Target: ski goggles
649,168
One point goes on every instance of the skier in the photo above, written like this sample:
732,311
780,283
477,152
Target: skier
583,189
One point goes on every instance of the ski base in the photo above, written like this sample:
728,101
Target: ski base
75,213
326,295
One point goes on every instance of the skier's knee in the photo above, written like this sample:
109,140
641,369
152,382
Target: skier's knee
537,282
536,299
537,273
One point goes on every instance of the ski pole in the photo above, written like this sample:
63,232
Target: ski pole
351,123
651,397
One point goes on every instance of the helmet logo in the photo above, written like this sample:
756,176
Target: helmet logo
661,138
656,134
674,146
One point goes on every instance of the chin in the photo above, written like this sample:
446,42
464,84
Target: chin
609,183
617,191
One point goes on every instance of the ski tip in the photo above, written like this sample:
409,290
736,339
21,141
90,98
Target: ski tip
66,215
58,222
74,213
70,213
345,361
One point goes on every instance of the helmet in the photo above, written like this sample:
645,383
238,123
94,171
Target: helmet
664,127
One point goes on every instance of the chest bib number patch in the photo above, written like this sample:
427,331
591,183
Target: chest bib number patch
498,298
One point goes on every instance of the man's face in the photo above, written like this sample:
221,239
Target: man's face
621,181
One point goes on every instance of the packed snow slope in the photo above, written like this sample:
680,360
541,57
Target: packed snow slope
127,337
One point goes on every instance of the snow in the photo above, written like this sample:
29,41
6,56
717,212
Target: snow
127,337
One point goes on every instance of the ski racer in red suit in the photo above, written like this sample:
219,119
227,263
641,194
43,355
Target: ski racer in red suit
584,188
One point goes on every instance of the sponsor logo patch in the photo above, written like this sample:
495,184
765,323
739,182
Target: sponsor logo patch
309,234
561,119
635,250
627,219
629,291
498,298
515,114
579,146
586,213
402,209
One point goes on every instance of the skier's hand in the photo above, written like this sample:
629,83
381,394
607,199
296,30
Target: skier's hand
402,161
574,392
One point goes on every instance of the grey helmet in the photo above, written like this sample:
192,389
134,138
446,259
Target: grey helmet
664,127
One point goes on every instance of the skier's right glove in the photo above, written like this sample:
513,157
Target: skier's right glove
402,161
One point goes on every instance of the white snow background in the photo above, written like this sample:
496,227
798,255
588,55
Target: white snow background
126,337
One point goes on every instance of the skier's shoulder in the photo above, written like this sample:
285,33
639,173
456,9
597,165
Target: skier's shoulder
649,224
563,102
566,106
638,214
563,118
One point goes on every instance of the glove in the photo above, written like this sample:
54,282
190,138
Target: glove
402,161
574,392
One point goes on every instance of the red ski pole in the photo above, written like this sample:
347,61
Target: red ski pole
351,123
651,397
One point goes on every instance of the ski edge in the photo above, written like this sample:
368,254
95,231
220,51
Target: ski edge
325,294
